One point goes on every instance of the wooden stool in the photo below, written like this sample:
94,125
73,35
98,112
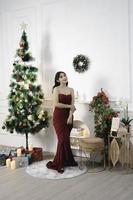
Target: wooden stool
93,145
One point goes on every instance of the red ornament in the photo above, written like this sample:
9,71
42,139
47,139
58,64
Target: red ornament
21,44
18,79
30,86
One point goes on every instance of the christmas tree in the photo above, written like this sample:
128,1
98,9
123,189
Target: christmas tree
26,114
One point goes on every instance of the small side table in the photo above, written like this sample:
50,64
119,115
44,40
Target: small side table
120,151
75,145
94,145
75,141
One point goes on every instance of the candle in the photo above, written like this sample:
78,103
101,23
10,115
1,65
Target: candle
8,162
81,132
19,152
31,147
13,164
85,133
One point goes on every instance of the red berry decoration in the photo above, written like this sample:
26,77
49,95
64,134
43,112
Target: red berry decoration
21,44
30,86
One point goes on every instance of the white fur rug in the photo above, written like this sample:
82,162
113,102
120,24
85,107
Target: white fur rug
39,170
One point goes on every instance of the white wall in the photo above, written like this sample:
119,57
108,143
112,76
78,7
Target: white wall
57,31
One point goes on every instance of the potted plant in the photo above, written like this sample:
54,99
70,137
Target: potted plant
103,114
126,121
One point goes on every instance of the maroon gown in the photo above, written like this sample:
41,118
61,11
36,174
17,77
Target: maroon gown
64,156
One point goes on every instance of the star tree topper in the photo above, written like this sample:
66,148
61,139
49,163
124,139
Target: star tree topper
23,26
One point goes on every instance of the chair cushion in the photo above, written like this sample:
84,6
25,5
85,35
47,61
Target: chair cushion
92,143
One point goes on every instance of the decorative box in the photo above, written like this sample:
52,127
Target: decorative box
2,159
21,161
37,154
5,151
29,156
13,153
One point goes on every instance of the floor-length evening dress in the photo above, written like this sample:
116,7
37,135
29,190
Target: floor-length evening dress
64,156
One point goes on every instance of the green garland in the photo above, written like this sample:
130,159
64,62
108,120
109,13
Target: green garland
80,63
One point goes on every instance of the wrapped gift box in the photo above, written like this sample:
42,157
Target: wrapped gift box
3,158
21,161
29,156
13,153
37,154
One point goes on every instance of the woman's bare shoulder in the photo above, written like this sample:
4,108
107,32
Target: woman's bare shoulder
56,89
71,89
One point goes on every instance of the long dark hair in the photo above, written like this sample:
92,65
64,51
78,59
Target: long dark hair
56,80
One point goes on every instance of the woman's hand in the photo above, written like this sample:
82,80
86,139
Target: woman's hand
73,108
70,119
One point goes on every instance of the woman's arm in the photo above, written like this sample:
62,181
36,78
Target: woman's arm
56,100
72,110
72,103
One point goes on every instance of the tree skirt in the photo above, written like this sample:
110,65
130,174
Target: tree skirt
39,170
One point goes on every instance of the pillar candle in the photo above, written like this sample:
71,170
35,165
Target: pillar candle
82,132
8,162
13,164
31,147
19,152
85,133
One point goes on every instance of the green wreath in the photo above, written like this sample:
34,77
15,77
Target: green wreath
80,63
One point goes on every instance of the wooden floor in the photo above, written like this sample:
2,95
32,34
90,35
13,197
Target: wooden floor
105,185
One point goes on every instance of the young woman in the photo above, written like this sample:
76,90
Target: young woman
63,108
